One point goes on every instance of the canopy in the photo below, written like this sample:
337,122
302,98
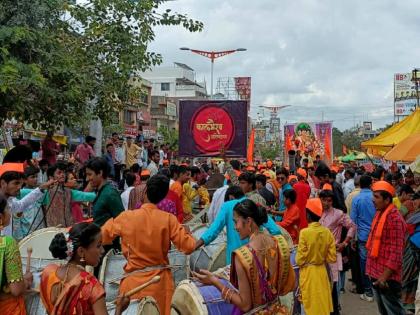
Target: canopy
349,157
361,156
407,150
386,140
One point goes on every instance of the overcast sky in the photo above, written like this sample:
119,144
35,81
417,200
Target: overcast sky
323,57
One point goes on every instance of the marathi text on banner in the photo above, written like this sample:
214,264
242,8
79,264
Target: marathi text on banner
213,128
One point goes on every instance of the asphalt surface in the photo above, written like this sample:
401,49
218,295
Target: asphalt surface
351,303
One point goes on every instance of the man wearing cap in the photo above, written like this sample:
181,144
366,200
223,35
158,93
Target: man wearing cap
385,247
303,191
11,180
316,249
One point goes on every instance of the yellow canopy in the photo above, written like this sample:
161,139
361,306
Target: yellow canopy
407,150
386,140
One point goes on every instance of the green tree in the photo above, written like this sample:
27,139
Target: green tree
269,151
170,136
64,63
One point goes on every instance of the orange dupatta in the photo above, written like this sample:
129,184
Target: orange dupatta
374,240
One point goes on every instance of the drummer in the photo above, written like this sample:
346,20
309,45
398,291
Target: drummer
261,271
13,283
234,195
146,235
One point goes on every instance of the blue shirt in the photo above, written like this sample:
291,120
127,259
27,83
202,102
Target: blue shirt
282,206
363,211
225,218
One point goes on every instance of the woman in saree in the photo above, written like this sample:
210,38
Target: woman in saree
68,288
261,271
13,283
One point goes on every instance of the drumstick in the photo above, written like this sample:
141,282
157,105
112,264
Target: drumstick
28,259
155,279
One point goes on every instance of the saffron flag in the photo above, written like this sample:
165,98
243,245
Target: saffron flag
250,152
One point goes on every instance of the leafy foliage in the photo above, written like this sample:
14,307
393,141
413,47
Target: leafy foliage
64,63
170,136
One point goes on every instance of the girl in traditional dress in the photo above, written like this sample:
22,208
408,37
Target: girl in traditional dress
68,288
13,283
261,271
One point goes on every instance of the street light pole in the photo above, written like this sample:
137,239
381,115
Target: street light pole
415,78
212,55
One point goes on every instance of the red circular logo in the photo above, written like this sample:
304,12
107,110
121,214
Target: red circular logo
212,129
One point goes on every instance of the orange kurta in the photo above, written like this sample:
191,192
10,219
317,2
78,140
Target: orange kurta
146,236
176,187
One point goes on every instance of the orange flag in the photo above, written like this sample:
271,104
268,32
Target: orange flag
250,152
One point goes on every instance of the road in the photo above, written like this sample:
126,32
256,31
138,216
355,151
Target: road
352,304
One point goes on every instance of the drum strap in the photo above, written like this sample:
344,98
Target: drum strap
145,269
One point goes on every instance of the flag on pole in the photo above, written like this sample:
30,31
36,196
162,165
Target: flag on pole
250,152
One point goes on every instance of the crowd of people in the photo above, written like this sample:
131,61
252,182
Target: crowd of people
319,220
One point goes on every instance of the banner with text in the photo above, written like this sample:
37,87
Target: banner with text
405,98
212,128
315,138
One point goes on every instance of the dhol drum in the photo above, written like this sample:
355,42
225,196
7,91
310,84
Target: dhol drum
192,298
210,257
111,272
39,241
145,306
181,264
296,270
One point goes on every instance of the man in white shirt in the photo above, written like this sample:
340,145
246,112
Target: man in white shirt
161,155
348,186
216,202
119,159
11,180
154,161
130,179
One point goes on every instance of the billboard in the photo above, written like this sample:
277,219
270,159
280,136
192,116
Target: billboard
405,98
316,138
212,128
243,87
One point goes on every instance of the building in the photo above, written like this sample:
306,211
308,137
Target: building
366,131
169,85
135,117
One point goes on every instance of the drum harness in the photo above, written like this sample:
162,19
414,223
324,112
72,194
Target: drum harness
145,269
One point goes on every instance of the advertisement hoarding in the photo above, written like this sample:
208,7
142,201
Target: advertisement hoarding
212,128
405,98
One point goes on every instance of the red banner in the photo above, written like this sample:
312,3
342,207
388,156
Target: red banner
243,87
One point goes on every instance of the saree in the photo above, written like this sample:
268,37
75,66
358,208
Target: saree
59,210
10,271
76,296
265,288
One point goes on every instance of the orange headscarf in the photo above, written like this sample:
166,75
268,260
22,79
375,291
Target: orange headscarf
327,187
11,167
315,206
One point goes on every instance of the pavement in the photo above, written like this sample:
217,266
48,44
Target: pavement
351,303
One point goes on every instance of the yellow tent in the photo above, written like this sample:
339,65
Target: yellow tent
386,140
407,150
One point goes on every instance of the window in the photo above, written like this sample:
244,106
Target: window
164,86
128,117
